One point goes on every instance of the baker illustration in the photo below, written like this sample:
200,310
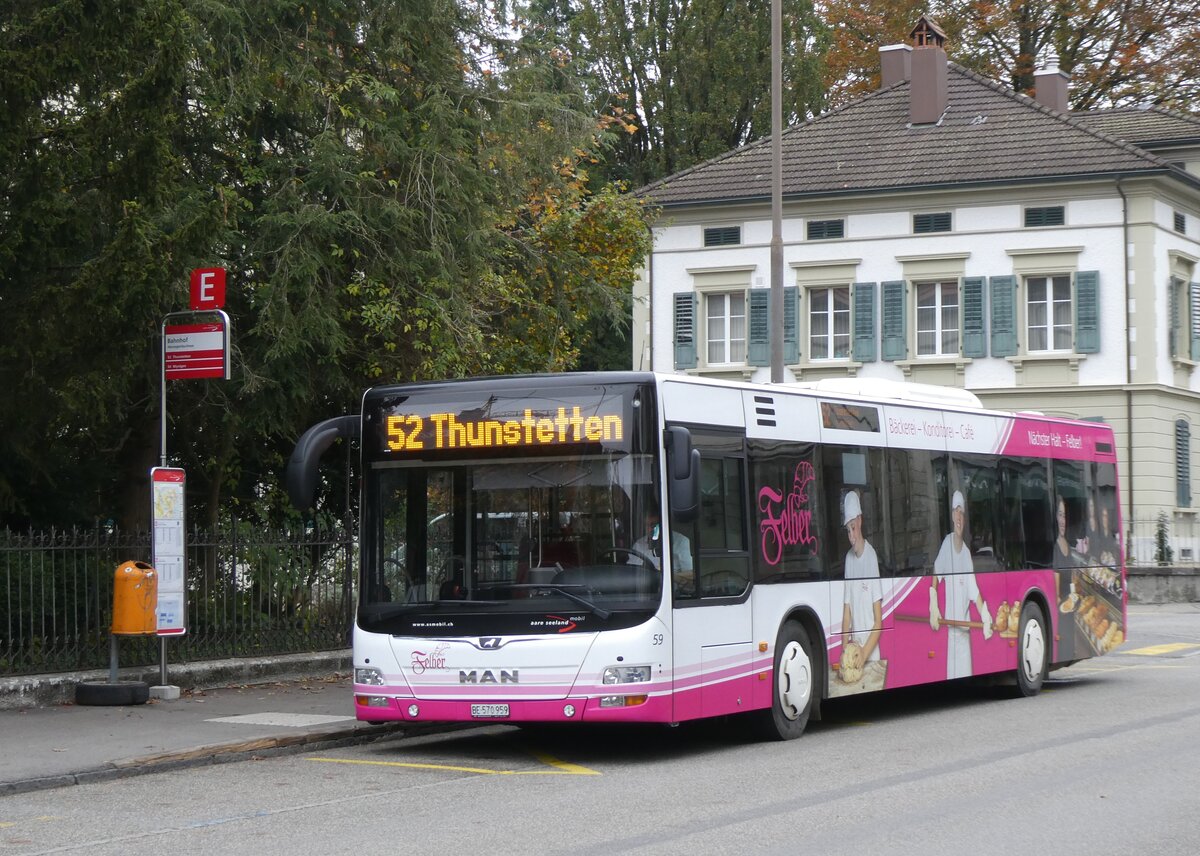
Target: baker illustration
862,609
954,566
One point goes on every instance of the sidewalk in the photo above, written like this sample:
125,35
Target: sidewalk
228,710
49,747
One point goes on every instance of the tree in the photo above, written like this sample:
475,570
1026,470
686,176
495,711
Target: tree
693,80
1116,53
860,30
373,175
1141,51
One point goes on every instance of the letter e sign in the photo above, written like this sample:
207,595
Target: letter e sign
208,289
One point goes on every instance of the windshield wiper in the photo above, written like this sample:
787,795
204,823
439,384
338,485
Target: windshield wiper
599,612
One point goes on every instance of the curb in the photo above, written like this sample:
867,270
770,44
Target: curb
218,753
27,691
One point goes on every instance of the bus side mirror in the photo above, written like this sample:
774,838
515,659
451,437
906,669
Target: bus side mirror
683,470
301,478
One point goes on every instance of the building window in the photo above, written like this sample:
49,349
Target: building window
1183,464
821,229
722,236
937,318
924,223
829,323
1180,223
1052,215
1048,313
725,329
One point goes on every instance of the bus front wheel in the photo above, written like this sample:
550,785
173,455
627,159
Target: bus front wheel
1033,653
793,688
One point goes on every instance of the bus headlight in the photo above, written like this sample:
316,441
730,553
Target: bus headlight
370,676
626,674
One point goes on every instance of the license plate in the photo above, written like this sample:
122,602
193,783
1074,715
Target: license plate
489,711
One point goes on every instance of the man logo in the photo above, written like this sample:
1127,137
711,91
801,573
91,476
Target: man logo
489,642
488,677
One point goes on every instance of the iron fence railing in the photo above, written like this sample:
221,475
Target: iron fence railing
257,592
1171,540
251,592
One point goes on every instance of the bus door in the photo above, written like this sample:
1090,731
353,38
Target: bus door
711,584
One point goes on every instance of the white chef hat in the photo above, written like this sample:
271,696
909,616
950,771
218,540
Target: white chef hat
851,507
957,501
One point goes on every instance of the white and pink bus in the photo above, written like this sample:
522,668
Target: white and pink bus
633,547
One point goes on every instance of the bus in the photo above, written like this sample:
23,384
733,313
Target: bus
637,547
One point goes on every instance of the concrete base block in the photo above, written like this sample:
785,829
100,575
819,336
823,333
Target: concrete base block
166,693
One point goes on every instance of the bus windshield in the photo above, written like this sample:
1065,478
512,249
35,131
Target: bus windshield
508,539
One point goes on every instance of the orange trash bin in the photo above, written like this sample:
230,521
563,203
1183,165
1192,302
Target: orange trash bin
135,597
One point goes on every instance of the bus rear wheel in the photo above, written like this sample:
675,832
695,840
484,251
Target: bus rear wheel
1033,650
794,685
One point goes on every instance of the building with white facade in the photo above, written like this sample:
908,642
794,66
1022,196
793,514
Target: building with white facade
946,230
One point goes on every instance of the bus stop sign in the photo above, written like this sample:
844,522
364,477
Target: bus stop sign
207,289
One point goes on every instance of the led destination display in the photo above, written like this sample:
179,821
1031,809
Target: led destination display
446,431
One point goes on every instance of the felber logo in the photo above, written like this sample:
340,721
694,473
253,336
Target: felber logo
435,659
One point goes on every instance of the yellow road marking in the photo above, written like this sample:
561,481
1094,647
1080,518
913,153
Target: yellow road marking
1156,650
1106,669
562,768
43,818
573,769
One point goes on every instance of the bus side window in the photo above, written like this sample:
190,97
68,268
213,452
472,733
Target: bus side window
912,504
786,520
724,562
979,482
854,479
718,537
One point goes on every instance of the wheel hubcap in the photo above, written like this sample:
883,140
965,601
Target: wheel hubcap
1033,650
795,680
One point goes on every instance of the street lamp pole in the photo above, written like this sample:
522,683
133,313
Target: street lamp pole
776,296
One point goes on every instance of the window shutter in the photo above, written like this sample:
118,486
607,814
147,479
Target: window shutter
791,334
1087,312
864,322
721,236
925,223
1183,470
1173,333
974,328
895,344
685,330
1194,298
1051,216
1004,316
758,339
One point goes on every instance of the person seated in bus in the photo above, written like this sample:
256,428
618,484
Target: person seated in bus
1108,550
862,607
649,548
1099,546
954,566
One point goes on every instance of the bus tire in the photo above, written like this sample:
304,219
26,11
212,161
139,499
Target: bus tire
1033,650
793,687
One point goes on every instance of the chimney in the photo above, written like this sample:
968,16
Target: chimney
1050,85
895,64
928,94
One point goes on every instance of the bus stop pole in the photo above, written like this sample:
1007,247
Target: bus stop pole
162,460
